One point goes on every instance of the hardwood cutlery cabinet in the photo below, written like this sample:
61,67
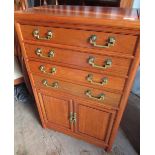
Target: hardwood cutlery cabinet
81,62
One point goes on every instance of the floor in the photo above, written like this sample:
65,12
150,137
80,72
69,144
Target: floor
130,122
32,139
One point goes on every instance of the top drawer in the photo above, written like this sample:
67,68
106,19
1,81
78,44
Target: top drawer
81,38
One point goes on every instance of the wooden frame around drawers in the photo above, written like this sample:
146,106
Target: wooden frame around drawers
94,22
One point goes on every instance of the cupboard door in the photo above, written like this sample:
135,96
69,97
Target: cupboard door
56,111
94,123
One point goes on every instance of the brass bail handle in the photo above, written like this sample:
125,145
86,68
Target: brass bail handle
103,82
100,97
42,68
53,85
48,35
107,63
49,55
110,42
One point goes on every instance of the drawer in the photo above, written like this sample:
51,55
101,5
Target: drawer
99,81
119,43
91,94
86,61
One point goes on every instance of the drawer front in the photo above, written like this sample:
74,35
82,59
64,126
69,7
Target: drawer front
99,81
92,62
90,39
94,95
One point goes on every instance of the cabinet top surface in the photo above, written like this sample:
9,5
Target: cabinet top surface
82,14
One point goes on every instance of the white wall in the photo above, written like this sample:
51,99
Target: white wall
136,4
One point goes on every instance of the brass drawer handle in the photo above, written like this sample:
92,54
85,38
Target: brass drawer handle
110,42
53,85
48,36
107,63
89,78
39,53
100,97
43,69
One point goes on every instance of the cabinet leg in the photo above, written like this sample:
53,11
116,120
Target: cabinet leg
44,126
108,149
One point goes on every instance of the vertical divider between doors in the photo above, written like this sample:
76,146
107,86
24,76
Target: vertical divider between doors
71,104
77,115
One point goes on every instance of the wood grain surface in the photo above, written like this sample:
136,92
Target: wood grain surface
95,121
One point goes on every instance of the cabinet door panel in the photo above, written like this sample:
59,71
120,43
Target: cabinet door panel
56,111
94,123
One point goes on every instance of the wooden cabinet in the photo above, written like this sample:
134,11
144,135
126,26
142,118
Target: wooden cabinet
93,123
81,62
56,111
76,116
